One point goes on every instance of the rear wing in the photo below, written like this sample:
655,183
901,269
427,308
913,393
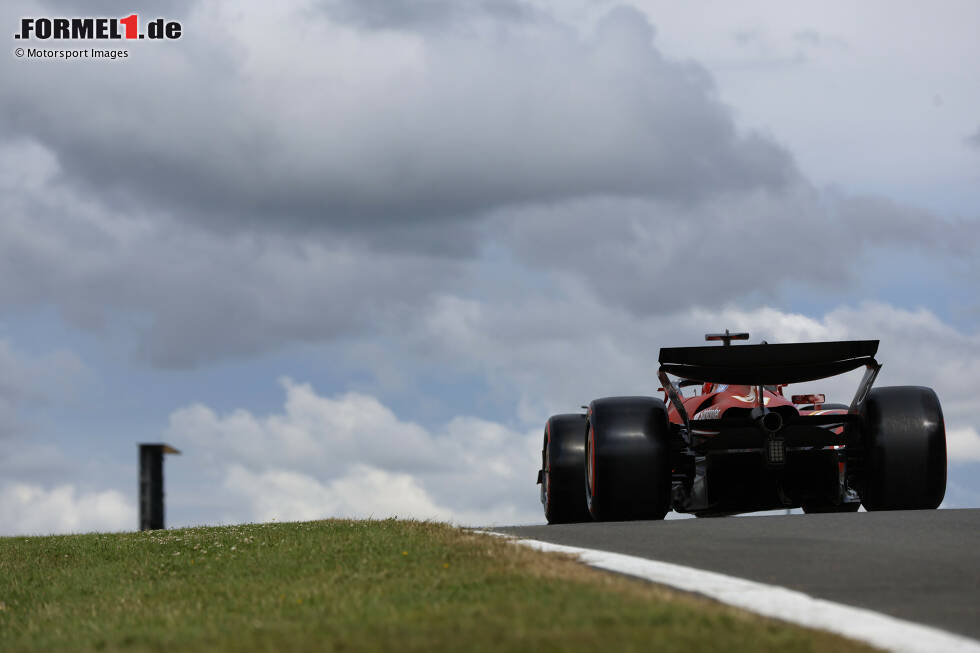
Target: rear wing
761,365
768,364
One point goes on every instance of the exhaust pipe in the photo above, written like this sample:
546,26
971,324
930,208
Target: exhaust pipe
768,421
775,446
771,422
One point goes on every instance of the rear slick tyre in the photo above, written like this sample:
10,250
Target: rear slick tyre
627,459
904,449
563,463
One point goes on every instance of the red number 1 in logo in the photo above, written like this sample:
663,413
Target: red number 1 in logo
130,23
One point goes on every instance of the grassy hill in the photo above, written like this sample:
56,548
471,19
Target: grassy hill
349,585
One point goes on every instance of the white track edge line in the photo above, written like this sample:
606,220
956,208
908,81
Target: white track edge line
874,628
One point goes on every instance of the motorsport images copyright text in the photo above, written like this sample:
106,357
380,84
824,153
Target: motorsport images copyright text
102,30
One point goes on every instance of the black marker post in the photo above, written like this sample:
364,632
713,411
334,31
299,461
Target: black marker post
151,485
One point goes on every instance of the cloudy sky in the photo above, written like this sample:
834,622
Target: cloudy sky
348,255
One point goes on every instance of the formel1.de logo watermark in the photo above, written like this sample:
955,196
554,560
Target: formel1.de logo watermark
128,28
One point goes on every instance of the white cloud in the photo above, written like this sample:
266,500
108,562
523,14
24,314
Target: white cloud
960,494
350,455
364,492
963,444
27,509
314,433
552,355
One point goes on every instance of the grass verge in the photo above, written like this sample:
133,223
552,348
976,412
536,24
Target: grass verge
349,585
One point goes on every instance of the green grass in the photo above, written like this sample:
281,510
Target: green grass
349,585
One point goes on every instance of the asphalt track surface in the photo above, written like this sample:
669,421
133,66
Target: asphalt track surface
918,565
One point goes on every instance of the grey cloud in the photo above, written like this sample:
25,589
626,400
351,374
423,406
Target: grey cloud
654,257
225,130
808,37
746,37
191,295
31,462
815,39
876,221
258,207
30,381
109,8
424,15
758,49
974,139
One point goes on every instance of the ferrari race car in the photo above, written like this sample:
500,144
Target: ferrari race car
739,445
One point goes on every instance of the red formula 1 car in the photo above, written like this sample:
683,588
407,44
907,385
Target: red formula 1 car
739,445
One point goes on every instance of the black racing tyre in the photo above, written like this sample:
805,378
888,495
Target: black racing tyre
811,509
563,464
627,459
904,440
